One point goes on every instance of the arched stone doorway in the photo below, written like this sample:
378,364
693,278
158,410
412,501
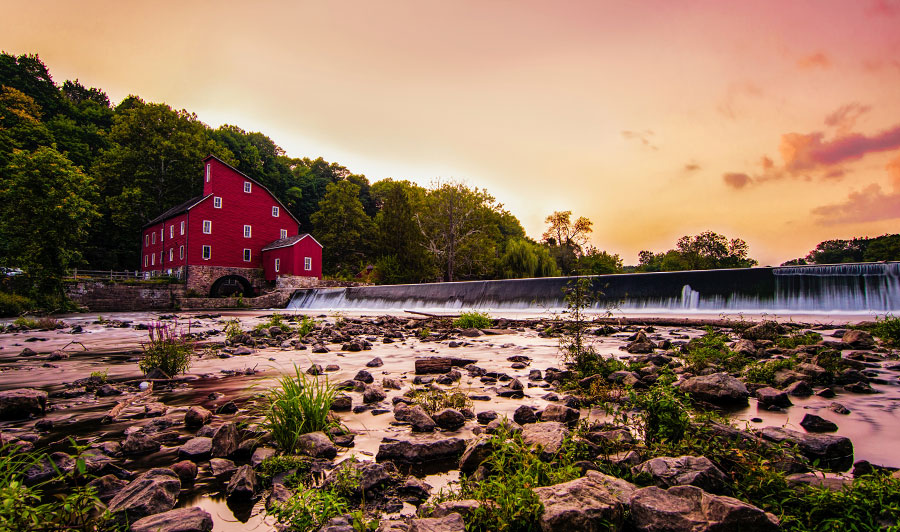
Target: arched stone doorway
231,285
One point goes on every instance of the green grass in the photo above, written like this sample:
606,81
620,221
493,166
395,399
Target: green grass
45,323
794,340
168,349
309,509
888,329
233,329
711,350
273,465
764,371
277,320
298,405
307,325
473,320
14,304
433,400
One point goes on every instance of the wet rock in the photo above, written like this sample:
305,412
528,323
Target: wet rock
155,409
449,419
510,393
227,408
364,376
374,478
799,389
242,351
44,425
717,388
838,408
186,471
319,348
196,449
28,352
107,487
767,330
243,484
179,520
373,394
153,492
260,454
503,424
139,443
640,344
525,414
610,436
47,468
744,347
225,440
107,390
58,355
860,387
834,452
391,384
375,363
595,502
819,481
317,445
316,369
684,470
535,375
222,469
197,416
548,436
477,451
827,393
814,423
22,403
464,508
560,413
332,367
418,419
857,339
449,523
279,495
407,452
769,396
486,417
690,509
342,403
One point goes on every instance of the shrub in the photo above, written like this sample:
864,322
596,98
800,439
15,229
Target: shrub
711,349
307,325
14,304
309,509
45,323
433,400
168,350
102,375
888,329
794,340
473,320
663,413
764,372
298,405
277,320
274,465
233,329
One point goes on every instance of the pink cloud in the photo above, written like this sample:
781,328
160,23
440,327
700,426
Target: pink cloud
736,180
816,60
883,8
806,151
893,169
845,116
868,205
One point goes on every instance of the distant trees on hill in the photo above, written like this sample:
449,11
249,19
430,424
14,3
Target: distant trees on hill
705,251
862,249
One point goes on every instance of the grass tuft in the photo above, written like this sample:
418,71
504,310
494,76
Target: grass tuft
298,405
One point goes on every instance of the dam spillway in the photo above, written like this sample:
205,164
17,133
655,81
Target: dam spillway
845,288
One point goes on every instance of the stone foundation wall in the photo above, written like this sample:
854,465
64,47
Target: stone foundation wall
275,299
105,296
201,278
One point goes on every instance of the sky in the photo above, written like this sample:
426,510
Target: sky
773,121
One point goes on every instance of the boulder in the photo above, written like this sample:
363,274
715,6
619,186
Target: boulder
418,419
179,520
744,347
243,484
22,403
260,454
222,469
375,363
47,468
107,486
364,376
225,440
640,344
525,414
593,503
196,449
477,451
153,492
373,394
548,435
684,470
486,417
503,423
373,478
186,471
317,445
690,509
833,452
342,403
767,330
197,416
560,413
717,388
857,339
769,396
407,452
814,423
799,389
449,419
139,442
448,523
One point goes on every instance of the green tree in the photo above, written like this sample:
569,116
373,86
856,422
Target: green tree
399,239
343,228
596,262
705,251
885,247
523,259
46,208
566,238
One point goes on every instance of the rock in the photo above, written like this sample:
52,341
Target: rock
407,452
196,449
767,330
486,417
690,509
107,390
419,420
375,363
611,436
833,452
744,347
373,478
178,520
640,344
477,451
197,416
448,523
560,413
364,376
373,394
107,487
838,408
22,403
319,348
222,469
769,396
593,503
332,367
799,389
819,481
225,440
503,423
155,409
717,388
153,492
46,468
260,454
242,351
814,423
28,352
391,384
449,419
317,445
525,414
243,484
548,435
857,339
342,403
139,443
279,495
316,369
535,375
227,408
186,471
464,508
684,470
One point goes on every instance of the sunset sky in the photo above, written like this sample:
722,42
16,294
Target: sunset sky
774,121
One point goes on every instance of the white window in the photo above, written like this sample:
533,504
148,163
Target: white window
247,231
246,255
247,186
171,254
182,227
275,212
277,264
181,252
146,240
283,233
207,252
208,169
161,234
153,260
207,227
307,263
171,231
146,261
154,237
217,202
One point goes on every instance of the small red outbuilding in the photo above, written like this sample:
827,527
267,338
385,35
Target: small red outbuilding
299,255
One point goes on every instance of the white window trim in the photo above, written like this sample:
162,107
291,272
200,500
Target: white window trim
307,263
248,231
153,238
248,187
182,227
206,252
153,259
171,254
171,231
275,212
217,202
208,168
248,255
181,252
162,233
277,265
207,227
282,234
146,240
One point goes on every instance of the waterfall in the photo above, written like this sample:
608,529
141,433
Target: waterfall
848,288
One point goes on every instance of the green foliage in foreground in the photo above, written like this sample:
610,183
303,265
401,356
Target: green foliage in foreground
14,304
711,350
473,320
764,371
168,349
277,320
888,329
795,340
298,405
433,400
307,325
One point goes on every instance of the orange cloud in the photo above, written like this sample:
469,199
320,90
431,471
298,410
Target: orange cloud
642,136
868,205
807,151
893,169
845,116
736,180
816,60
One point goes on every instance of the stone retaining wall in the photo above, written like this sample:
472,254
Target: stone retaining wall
275,299
201,278
105,296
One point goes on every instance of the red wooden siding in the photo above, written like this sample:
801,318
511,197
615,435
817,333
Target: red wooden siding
293,259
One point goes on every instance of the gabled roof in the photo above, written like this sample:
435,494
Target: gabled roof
289,241
176,210
257,183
